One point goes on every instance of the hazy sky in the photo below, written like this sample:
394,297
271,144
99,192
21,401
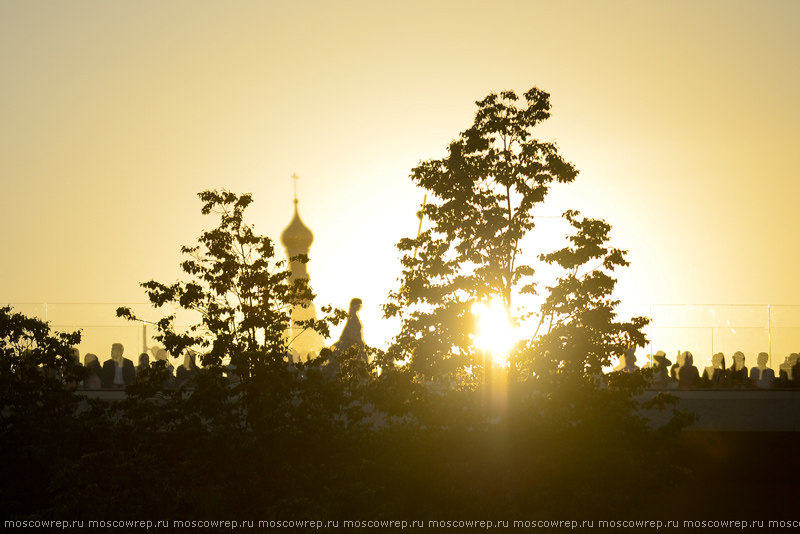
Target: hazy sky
682,117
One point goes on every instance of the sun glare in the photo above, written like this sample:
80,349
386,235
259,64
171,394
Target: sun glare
495,333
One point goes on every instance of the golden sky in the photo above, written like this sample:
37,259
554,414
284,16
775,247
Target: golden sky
682,117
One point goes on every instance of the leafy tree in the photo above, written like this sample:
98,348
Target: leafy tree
485,192
567,429
262,419
38,407
597,438
244,297
242,293
578,334
38,372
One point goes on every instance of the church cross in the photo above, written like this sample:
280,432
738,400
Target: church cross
295,178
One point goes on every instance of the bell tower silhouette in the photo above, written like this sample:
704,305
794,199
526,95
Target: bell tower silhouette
297,239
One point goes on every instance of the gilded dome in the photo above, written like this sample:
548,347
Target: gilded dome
297,237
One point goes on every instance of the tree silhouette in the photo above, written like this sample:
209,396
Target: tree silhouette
243,294
484,195
244,298
563,422
38,372
38,408
578,333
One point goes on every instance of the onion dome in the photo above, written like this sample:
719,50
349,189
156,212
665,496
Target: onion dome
297,237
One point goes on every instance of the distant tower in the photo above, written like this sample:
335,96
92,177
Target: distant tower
297,239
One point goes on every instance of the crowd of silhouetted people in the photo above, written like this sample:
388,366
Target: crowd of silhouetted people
118,372
683,374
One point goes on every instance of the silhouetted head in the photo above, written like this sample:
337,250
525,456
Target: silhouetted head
116,352
144,359
90,361
718,361
355,305
793,358
762,359
161,354
75,354
660,360
738,359
686,358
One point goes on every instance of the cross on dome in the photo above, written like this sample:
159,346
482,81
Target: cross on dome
297,237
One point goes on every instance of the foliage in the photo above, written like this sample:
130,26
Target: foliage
38,371
244,297
485,191
485,194
578,334
339,438
38,407
242,293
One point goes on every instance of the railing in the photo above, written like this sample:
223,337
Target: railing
708,329
101,327
702,330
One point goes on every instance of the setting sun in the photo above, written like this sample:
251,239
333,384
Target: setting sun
495,332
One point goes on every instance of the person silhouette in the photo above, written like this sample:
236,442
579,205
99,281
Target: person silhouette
188,370
680,361
352,335
160,354
91,362
628,361
785,370
144,362
738,371
118,372
688,376
713,374
75,356
795,381
661,369
762,376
